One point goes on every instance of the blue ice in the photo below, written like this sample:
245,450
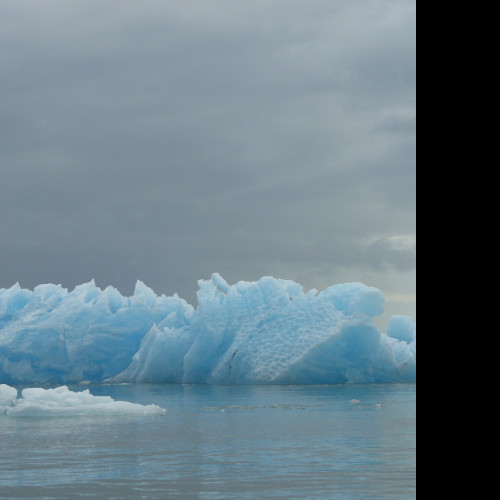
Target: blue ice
265,332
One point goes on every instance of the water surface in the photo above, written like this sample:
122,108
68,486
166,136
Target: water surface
340,442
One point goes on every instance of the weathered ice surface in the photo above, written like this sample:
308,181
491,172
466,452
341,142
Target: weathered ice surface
266,332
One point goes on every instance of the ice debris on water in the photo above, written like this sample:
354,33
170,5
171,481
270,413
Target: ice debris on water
265,332
62,402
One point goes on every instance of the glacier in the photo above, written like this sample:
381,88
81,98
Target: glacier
265,332
61,402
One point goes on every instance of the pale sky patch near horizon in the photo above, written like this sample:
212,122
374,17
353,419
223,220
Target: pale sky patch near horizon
165,141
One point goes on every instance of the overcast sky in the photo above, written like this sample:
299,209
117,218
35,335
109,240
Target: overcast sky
165,140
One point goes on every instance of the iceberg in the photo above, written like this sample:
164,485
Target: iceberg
61,402
265,332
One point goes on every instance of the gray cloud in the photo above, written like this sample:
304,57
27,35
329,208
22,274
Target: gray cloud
167,140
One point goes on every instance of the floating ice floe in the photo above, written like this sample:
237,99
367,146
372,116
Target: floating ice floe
266,332
62,402
8,397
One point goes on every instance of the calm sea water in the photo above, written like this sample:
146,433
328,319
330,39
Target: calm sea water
221,442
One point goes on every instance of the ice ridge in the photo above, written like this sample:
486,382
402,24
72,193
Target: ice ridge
265,332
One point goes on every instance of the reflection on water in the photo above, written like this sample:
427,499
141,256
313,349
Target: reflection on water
342,442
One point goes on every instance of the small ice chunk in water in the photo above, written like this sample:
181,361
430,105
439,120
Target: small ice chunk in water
63,402
7,396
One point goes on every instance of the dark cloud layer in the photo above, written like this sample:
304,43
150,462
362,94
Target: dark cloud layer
164,141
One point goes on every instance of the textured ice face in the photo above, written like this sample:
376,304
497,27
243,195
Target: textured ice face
62,402
266,332
51,335
7,397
